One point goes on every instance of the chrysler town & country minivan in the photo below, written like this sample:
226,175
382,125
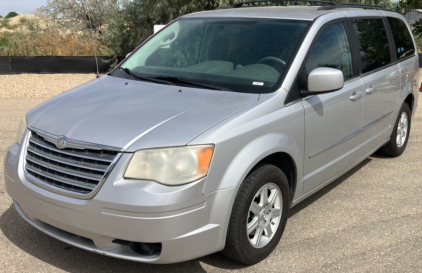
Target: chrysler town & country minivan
207,134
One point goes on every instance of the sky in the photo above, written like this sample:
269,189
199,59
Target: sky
20,6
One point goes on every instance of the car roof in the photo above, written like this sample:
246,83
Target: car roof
306,13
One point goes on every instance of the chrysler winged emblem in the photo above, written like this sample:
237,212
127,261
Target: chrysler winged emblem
61,143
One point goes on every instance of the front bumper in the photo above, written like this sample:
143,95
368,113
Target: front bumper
187,223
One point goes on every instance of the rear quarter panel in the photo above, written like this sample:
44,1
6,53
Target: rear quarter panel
409,70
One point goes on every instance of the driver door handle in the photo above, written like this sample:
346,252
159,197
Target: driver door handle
356,96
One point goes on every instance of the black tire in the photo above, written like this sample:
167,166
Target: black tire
238,246
392,148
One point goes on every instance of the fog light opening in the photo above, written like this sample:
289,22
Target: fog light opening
146,249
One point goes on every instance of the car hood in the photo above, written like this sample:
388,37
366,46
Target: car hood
135,115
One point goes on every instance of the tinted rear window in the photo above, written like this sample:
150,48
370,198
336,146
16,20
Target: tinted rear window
402,38
373,43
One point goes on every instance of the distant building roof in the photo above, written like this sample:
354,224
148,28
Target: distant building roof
413,15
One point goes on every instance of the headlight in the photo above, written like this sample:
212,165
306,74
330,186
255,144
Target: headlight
21,130
171,166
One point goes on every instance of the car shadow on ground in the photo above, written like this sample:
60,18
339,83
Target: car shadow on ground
72,259
380,155
314,197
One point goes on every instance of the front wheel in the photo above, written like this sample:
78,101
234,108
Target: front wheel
259,215
400,135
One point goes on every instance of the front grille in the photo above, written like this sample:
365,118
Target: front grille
74,170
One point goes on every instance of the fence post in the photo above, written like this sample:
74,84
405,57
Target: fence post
10,60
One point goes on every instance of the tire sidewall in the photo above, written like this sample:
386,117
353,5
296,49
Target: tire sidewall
397,150
271,175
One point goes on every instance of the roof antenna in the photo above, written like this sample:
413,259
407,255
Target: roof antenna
95,48
96,59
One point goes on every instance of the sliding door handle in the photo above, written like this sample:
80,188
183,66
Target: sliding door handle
356,96
371,90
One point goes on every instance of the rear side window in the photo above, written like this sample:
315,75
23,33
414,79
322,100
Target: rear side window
373,43
332,50
402,38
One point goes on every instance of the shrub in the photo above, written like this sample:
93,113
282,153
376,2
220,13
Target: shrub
41,38
11,15
23,20
4,41
20,43
5,23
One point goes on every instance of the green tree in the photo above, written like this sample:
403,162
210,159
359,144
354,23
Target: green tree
80,18
134,22
11,15
80,13
408,5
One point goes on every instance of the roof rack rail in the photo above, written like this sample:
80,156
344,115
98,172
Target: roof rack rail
362,5
353,5
325,5
241,4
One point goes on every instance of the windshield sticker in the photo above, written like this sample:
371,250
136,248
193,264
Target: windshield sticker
258,83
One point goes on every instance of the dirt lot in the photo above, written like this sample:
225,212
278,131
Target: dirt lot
369,220
39,85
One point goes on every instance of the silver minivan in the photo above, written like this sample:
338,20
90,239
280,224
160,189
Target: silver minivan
207,134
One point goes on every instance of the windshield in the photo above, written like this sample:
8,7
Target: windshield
242,55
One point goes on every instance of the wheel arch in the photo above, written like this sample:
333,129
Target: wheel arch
284,162
410,100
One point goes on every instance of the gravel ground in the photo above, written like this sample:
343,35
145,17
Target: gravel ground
369,220
40,85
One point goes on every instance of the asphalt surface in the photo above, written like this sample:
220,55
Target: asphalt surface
369,220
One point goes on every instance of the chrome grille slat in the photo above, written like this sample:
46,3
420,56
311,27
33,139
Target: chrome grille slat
96,167
62,186
72,170
61,180
71,152
64,171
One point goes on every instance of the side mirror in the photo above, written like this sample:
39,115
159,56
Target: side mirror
324,80
127,55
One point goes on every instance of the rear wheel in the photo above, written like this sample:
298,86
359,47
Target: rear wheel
259,215
400,135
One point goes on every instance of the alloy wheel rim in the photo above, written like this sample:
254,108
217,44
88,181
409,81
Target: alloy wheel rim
402,129
264,215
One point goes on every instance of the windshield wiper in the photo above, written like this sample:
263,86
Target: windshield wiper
172,80
147,79
180,81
